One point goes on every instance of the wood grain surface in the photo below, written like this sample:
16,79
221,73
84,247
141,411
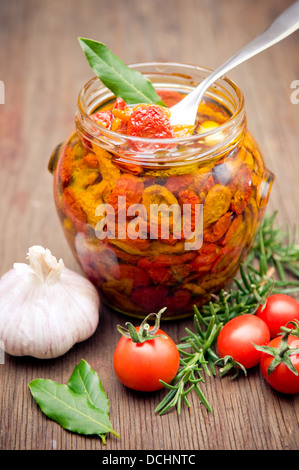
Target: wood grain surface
43,69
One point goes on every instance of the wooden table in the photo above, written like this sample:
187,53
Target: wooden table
43,68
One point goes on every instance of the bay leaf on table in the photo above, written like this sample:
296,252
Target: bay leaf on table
71,410
85,380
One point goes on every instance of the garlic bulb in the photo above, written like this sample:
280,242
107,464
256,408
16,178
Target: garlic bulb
45,308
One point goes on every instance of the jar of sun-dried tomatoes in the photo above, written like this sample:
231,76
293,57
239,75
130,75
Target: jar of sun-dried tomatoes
161,222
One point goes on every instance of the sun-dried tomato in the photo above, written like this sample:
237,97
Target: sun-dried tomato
127,257
162,261
150,298
216,231
129,167
73,210
91,160
156,194
209,248
188,197
66,166
204,262
177,183
151,122
206,187
235,234
91,197
180,272
241,190
216,204
132,246
120,103
226,263
159,275
108,169
104,118
124,286
177,300
126,271
206,257
129,186
152,197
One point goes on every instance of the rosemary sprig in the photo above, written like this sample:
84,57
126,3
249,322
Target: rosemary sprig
277,248
276,257
193,364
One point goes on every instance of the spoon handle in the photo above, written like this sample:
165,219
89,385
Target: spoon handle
284,25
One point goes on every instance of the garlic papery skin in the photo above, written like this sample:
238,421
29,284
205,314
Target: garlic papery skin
45,308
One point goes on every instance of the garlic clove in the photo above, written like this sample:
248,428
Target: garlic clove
45,308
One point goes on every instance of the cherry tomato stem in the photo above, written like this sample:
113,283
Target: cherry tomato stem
146,356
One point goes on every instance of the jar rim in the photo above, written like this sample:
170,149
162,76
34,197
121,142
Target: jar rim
236,118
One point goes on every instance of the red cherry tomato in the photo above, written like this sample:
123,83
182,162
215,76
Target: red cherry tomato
236,338
278,310
140,366
282,378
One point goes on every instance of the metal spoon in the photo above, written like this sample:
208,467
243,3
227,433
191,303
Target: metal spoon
285,24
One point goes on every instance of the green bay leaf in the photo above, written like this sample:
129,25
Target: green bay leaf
123,81
71,410
85,380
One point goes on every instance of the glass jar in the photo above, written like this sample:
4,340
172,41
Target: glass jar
105,184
